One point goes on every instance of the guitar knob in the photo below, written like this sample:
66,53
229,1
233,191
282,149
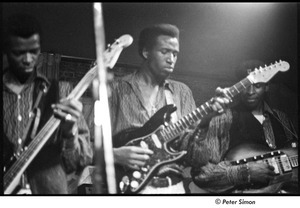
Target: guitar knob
134,184
137,174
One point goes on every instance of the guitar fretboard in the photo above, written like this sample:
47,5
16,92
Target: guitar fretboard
173,130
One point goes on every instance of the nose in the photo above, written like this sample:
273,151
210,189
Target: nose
250,90
171,58
28,58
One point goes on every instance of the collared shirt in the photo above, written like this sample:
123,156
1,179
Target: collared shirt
128,109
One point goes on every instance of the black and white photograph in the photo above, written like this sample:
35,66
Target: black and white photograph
125,99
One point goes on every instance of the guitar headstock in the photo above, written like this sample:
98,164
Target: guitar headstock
113,51
266,73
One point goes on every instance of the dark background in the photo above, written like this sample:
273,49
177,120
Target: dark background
215,37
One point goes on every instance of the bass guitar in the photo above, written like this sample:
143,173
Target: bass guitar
13,173
157,134
284,161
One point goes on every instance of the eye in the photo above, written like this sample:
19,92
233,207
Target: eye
17,53
258,85
35,51
175,54
164,51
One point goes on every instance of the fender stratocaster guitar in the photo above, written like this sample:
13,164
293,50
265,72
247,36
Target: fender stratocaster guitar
284,161
20,163
156,135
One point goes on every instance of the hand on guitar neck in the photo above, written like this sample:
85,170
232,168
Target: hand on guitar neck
260,174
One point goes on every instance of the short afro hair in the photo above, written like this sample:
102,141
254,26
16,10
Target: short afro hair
149,35
20,25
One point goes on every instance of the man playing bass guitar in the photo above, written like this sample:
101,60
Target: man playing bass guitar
27,92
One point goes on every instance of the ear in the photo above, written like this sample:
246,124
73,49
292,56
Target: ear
145,53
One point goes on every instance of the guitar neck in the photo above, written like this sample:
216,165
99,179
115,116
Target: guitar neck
84,83
173,130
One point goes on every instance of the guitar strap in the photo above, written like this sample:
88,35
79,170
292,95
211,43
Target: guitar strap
169,99
42,91
35,114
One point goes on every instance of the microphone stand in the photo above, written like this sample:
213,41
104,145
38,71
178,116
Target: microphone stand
103,139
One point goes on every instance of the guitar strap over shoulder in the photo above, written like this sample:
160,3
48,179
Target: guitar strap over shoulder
35,113
170,100
43,89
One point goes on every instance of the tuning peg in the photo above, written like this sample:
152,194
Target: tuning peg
117,41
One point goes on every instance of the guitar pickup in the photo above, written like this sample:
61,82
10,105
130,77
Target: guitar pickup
144,145
156,141
285,163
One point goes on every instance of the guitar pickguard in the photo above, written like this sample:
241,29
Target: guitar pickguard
132,181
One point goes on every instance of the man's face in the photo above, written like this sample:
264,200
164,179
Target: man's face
163,56
23,53
253,96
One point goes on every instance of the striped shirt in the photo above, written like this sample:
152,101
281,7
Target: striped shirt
128,110
16,109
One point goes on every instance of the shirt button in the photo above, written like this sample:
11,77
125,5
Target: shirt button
19,117
19,97
19,141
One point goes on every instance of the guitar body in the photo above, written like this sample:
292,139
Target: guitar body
284,169
149,136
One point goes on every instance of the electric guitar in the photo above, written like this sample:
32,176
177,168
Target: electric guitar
284,161
156,134
20,163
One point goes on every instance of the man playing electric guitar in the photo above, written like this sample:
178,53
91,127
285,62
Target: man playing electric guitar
138,96
250,128
27,93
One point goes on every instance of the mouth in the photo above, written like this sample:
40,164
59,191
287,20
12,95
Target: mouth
169,69
28,69
251,100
